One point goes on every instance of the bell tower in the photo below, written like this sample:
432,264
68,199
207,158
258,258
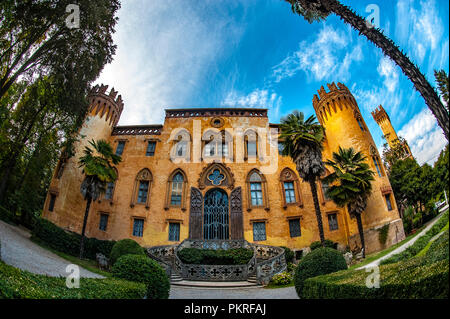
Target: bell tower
382,118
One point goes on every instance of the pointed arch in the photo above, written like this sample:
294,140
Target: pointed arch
176,189
290,187
142,188
111,187
257,195
226,176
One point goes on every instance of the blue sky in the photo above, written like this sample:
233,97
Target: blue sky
253,53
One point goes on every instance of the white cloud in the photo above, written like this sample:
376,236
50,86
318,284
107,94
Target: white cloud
421,31
387,69
424,137
259,98
321,58
165,50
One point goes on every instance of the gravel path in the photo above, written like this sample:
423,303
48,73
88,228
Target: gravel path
17,250
232,293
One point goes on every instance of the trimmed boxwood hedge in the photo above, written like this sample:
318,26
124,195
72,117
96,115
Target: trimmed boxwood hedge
420,277
288,254
327,243
69,242
404,280
420,243
19,284
142,269
320,261
439,250
125,247
194,256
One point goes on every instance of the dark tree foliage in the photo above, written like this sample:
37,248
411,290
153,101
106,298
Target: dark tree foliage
46,71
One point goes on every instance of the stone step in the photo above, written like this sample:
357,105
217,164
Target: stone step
216,284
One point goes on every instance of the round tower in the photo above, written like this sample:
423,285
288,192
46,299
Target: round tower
103,113
345,127
64,201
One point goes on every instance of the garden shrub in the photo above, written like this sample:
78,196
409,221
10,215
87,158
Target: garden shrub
420,243
320,261
417,220
439,250
327,243
7,216
383,234
288,254
19,284
281,279
194,256
125,247
407,219
140,268
412,279
67,242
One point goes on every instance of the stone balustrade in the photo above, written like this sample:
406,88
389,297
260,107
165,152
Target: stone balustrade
265,263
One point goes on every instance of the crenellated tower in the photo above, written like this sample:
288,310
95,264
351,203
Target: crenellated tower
64,193
338,111
382,118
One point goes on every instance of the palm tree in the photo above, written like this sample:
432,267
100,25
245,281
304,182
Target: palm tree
350,184
302,141
98,171
317,10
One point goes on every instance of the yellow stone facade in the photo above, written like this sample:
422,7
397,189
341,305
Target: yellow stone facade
337,110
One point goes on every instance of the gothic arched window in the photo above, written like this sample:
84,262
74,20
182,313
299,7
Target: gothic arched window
290,188
142,187
257,190
176,190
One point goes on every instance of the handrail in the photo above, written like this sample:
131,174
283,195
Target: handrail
265,263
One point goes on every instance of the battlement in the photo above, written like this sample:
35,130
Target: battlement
339,96
380,115
103,103
101,90
323,94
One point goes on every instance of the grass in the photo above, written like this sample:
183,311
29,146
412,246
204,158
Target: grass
271,285
380,254
87,264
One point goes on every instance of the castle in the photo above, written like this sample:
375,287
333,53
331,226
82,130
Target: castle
217,173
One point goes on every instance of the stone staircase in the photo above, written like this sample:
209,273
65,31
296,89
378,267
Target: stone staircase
266,262
252,279
174,278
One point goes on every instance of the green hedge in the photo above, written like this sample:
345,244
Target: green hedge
19,284
194,256
320,261
288,254
412,279
125,247
327,243
420,243
68,242
142,269
439,250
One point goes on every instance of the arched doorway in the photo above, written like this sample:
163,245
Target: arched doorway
216,215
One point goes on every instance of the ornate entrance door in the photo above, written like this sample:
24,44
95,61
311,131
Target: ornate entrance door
215,215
